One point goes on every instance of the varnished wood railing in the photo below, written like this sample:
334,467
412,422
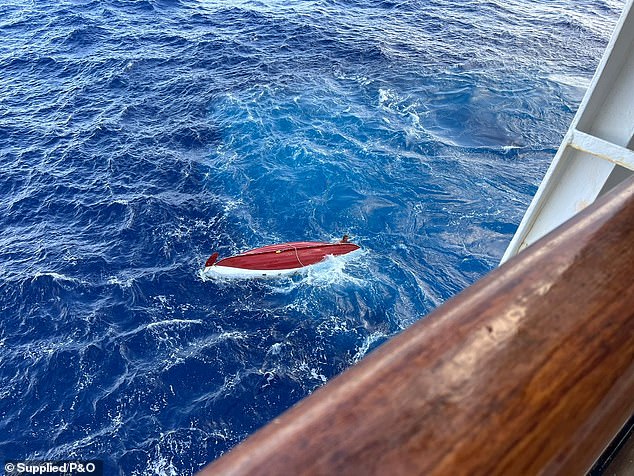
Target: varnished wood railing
529,371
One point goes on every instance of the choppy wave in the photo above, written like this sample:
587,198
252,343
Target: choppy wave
136,137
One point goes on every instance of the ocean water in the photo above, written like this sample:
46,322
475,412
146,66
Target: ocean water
139,136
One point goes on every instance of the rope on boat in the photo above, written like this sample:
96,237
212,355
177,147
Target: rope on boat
297,256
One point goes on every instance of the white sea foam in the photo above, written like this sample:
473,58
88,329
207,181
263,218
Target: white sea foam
56,276
275,348
169,322
307,371
363,349
179,354
119,281
335,325
580,82
333,271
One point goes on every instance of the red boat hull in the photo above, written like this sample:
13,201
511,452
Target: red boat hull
287,255
276,260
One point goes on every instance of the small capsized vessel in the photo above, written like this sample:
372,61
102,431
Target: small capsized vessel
276,260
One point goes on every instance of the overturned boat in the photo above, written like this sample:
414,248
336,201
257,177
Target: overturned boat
276,260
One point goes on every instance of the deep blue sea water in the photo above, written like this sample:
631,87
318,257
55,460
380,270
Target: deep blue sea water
138,136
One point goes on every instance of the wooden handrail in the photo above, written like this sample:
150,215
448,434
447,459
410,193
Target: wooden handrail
529,371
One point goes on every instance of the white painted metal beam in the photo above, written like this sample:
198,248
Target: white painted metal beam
603,149
596,152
